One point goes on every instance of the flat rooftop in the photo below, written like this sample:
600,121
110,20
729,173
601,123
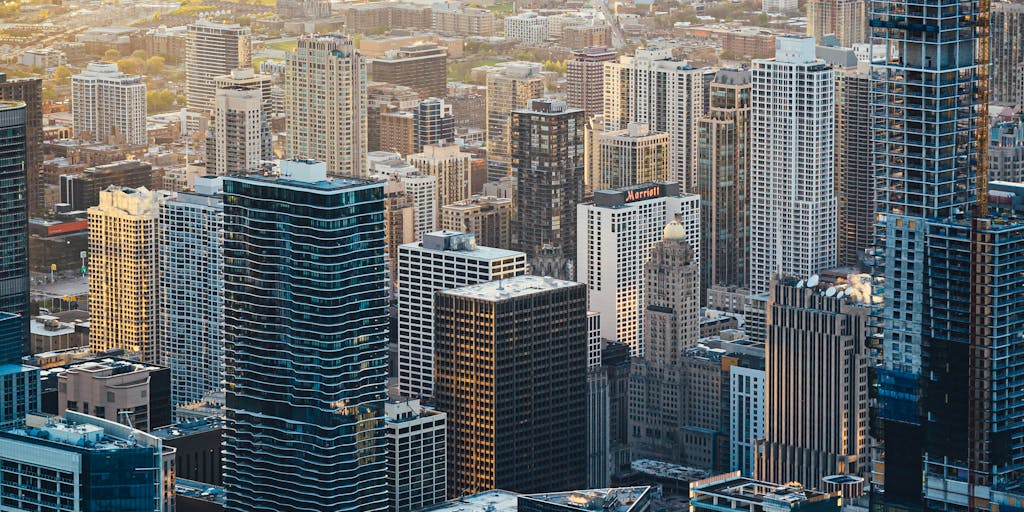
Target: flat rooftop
616,499
489,501
327,185
756,491
187,428
503,289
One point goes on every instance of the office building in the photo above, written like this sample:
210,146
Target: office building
547,164
854,167
616,364
746,408
584,79
14,274
816,400
30,92
845,19
528,27
423,67
440,261
311,367
730,491
19,385
723,180
124,271
417,464
238,137
615,234
487,217
510,88
325,103
109,106
82,190
485,331
191,310
451,168
630,157
1007,69
792,194
213,50
433,124
654,88
671,307
85,463
111,388
246,79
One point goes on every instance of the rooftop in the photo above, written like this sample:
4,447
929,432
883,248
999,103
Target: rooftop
621,499
489,501
667,470
447,242
200,491
513,287
747,490
189,427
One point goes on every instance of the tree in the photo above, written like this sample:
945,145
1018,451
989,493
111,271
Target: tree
130,65
155,65
49,92
762,20
111,55
62,75
159,101
140,54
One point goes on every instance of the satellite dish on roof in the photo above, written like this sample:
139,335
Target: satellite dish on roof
812,281
841,294
800,284
831,292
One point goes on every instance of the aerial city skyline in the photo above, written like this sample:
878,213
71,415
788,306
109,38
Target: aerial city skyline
529,256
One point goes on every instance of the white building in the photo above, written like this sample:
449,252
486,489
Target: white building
443,260
746,416
451,168
615,234
212,50
417,455
654,88
528,27
793,203
238,136
108,105
192,291
421,187
780,6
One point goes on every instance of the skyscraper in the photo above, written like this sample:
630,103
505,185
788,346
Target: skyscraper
433,123
845,19
854,167
19,385
124,271
30,92
510,88
246,79
547,163
486,333
816,401
417,455
653,87
442,260
14,275
325,103
191,307
792,195
108,105
421,188
238,137
584,79
451,168
630,157
615,234
212,50
1007,53
672,325
423,67
723,181
305,315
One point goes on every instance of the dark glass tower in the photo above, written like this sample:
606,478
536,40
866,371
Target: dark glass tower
305,315
433,123
14,279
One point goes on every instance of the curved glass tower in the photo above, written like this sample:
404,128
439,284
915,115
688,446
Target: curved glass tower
305,324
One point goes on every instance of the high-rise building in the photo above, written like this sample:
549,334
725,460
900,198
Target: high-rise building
615,234
19,385
723,180
510,88
925,173
442,260
487,217
780,6
399,221
1006,148
421,188
30,92
213,50
528,27
616,364
124,271
672,325
246,79
417,461
192,291
816,401
110,389
845,19
108,105
746,408
433,123
423,67
305,315
792,194
584,79
630,157
397,132
854,167
451,168
547,164
85,463
82,190
14,274
484,333
1007,53
325,103
598,403
238,137
654,88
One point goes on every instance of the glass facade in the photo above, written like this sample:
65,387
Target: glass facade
306,321
13,216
